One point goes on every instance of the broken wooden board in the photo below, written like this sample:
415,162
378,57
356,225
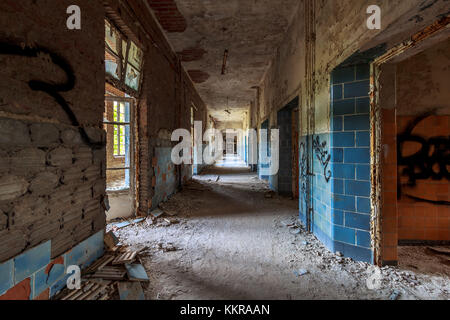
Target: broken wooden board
110,240
110,273
121,225
90,290
126,257
130,291
136,272
99,264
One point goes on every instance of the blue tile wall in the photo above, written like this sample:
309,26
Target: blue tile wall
34,263
30,261
350,162
341,206
6,276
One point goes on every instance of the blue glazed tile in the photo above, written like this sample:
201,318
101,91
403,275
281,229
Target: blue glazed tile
363,72
363,239
363,172
337,155
357,221
363,105
354,252
31,261
343,139
59,285
343,107
363,139
343,171
357,188
337,186
336,92
6,276
357,122
343,234
363,205
338,217
341,75
357,89
357,155
337,124
42,280
341,202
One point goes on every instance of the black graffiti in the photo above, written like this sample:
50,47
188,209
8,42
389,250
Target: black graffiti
431,161
53,90
323,156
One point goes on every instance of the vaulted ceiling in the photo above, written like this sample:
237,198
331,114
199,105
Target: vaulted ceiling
201,31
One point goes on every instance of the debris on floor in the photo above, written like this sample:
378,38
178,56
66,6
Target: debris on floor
91,290
395,295
300,272
136,272
130,291
157,213
113,273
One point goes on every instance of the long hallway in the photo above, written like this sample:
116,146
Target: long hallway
231,238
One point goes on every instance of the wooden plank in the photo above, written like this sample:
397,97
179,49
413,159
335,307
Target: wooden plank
99,264
110,273
127,257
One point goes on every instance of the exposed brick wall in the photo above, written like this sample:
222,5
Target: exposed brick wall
51,182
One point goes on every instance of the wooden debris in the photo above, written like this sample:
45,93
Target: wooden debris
110,240
127,257
99,264
110,273
90,290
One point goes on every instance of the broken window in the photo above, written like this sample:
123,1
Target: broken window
123,58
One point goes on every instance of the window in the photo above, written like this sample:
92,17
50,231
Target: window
118,125
123,59
119,130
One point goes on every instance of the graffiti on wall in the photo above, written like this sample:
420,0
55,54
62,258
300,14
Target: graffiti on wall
323,156
52,89
431,161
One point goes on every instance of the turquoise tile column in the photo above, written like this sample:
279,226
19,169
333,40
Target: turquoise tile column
350,162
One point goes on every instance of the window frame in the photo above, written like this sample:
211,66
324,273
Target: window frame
123,61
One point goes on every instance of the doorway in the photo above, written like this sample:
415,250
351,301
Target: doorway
120,173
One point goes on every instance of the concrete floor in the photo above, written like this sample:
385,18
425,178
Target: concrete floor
231,242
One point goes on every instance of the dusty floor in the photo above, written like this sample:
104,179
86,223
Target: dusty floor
231,242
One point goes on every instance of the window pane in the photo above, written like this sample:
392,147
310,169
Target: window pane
132,77
111,38
112,66
135,56
122,113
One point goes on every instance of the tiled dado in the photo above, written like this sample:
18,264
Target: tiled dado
33,275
